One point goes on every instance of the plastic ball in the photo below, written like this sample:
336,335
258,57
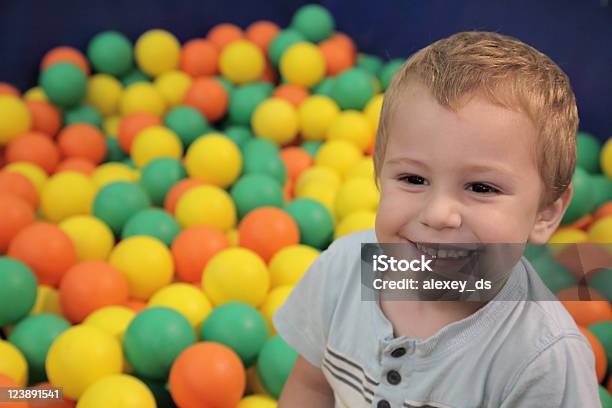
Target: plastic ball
236,274
155,142
388,70
46,249
206,205
8,382
284,40
554,275
338,58
67,194
243,103
266,230
214,159
224,34
294,94
238,326
209,97
83,114
152,222
207,375
172,333
322,192
296,161
146,263
303,64
67,55
177,191
47,301
257,401
356,221
583,199
112,172
110,52
157,51
33,336
114,153
238,134
241,62
275,120
274,364
589,149
373,109
134,76
118,391
16,215
132,124
34,147
104,93
603,332
314,21
605,159
356,194
324,87
199,58
364,168
17,292
289,264
599,353
35,94
185,299
601,231
159,176
12,363
604,395
15,118
142,97
32,172
339,155
46,118
173,86
76,165
315,115
82,141
353,89
602,189
314,221
263,157
274,300
64,84
112,319
353,127
262,33
187,122
565,236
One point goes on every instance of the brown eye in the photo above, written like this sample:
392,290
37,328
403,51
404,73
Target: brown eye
482,188
412,179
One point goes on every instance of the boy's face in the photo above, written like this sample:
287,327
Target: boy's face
461,177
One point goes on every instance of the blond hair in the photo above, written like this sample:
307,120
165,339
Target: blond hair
507,72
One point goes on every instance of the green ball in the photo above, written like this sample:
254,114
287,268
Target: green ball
314,221
134,76
312,147
603,332
117,202
17,291
370,63
533,251
324,87
257,147
263,86
353,89
154,339
601,281
152,222
114,152
239,134
187,122
388,70
315,22
110,52
243,102
64,84
159,176
262,157
33,336
283,40
240,327
605,398
589,149
583,200
275,362
602,189
83,114
227,84
554,275
256,190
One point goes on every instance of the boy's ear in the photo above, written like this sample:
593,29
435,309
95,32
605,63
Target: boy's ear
548,218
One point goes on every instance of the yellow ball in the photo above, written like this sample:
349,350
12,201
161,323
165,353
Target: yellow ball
206,205
289,264
316,114
14,118
364,168
186,299
233,237
353,127
155,142
257,401
273,301
356,194
12,363
146,263
302,64
276,120
173,86
92,239
372,111
322,192
214,159
111,172
606,158
356,221
66,194
142,97
323,174
47,301
32,172
36,94
80,356
236,274
241,62
601,231
104,93
340,155
111,125
117,391
112,319
565,236
157,51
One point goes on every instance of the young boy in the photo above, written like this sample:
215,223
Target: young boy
477,144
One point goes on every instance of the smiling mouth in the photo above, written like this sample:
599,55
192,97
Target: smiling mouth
445,251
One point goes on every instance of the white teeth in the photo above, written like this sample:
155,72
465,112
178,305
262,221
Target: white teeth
443,253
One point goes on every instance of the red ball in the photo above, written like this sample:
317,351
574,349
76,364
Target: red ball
193,248
266,230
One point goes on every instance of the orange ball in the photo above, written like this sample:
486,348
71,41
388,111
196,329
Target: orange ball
266,230
7,382
585,312
193,248
223,34
338,57
18,184
16,215
34,147
262,33
46,118
65,54
288,191
207,375
76,164
601,362
296,160
177,191
89,286
292,93
46,249
136,305
346,42
8,89
199,58
604,210
52,403
209,97
132,124
84,141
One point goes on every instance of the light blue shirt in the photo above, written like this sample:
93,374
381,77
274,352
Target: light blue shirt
510,353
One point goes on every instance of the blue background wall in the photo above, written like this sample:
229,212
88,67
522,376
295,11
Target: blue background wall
576,34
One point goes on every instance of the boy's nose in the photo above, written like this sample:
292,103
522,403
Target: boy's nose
440,212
